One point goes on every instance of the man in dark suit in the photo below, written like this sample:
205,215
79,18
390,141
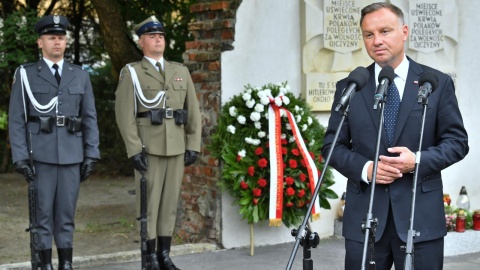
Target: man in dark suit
445,142
157,109
52,114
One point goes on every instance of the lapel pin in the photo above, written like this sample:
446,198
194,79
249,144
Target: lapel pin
415,82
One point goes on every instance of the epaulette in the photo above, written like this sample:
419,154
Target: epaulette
28,64
176,63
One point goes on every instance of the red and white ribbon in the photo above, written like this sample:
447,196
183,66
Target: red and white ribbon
276,163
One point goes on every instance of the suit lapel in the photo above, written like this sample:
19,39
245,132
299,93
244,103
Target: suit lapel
67,74
45,73
151,71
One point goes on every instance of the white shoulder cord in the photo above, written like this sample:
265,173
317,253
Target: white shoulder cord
139,93
38,107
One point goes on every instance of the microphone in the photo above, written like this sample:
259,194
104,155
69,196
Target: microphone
356,80
385,79
428,83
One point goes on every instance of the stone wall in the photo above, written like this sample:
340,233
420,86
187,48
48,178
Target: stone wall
199,210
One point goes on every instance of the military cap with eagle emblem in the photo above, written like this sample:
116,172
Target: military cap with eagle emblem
149,26
52,24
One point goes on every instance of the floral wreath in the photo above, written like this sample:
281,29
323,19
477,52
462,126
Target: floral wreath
243,141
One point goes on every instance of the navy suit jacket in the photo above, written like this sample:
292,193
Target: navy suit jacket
445,142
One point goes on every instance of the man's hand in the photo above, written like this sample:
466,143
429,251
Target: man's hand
22,167
87,167
140,162
190,157
404,162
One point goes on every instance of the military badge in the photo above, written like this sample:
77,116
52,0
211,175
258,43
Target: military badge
56,19
178,79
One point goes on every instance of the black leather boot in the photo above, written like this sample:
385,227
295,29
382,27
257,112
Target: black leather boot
163,250
65,258
46,255
152,261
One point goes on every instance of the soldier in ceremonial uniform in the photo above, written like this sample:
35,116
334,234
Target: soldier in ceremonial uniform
53,136
157,110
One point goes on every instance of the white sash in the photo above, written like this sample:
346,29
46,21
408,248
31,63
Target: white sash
38,107
147,103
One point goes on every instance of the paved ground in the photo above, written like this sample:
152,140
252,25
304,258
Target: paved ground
329,255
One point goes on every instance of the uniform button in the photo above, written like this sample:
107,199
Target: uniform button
59,92
166,88
60,113
60,103
386,189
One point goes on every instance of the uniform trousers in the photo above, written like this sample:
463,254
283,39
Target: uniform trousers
390,249
57,188
164,181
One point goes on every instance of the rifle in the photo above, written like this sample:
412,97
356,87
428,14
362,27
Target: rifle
32,212
143,214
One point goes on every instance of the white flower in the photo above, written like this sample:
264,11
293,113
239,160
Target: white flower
242,153
233,111
309,120
252,141
287,88
259,108
231,129
311,143
286,100
258,125
278,101
288,126
283,136
291,139
262,134
250,103
266,115
255,116
241,119
246,96
265,100
298,118
296,108
261,94
304,127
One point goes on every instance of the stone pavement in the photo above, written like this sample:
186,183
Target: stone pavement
328,255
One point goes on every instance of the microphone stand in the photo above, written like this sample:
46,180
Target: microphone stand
369,225
411,232
303,235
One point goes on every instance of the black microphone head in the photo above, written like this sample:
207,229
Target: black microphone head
388,73
359,76
430,77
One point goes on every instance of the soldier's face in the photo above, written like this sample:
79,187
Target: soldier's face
53,46
153,45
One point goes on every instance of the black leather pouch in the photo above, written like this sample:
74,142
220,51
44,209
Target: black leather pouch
156,116
46,124
180,117
74,124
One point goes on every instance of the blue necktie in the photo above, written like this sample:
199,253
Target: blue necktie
392,104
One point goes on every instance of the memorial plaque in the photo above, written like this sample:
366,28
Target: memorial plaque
342,25
321,90
426,22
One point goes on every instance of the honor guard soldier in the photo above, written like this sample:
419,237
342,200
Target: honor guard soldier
157,110
54,137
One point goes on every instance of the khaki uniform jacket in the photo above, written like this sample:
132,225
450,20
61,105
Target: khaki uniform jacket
167,139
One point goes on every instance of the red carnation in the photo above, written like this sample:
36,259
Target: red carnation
303,177
262,163
283,141
320,158
244,185
259,151
289,204
262,182
239,158
300,204
292,163
301,193
296,152
290,191
255,201
257,192
251,170
289,180
284,151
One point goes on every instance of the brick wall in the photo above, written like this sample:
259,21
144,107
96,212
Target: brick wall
199,210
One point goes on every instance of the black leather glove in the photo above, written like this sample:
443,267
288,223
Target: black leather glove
190,157
23,167
140,162
87,167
